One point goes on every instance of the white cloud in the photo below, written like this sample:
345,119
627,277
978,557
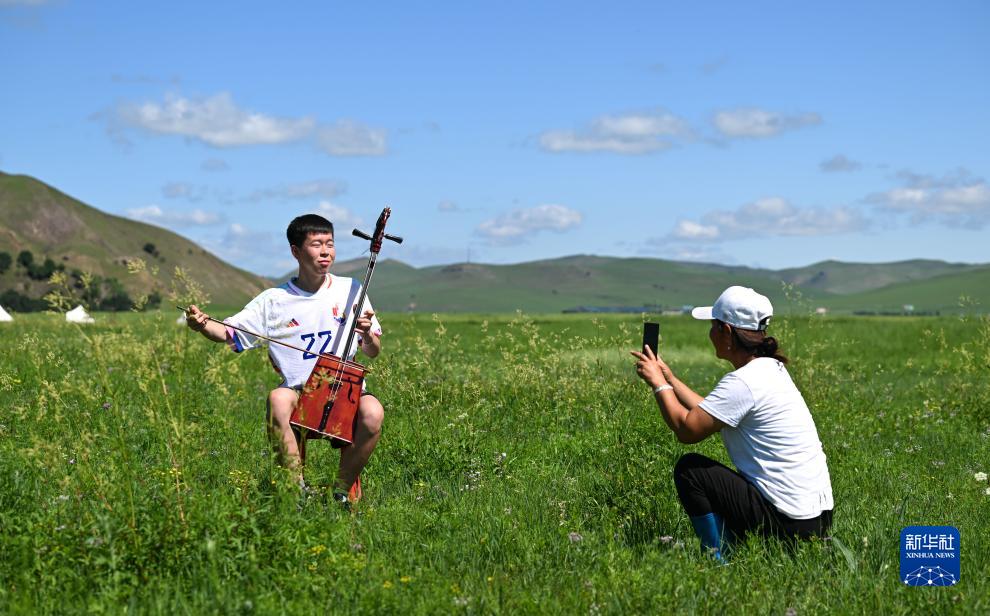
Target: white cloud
757,123
771,216
249,249
349,138
688,229
311,190
338,215
238,231
660,247
684,253
215,120
327,189
517,224
155,215
218,121
633,133
957,199
839,163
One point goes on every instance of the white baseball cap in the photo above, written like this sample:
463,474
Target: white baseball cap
740,307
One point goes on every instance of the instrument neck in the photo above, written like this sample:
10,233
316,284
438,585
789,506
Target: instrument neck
358,308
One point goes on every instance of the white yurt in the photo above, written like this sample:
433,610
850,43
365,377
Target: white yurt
4,315
78,315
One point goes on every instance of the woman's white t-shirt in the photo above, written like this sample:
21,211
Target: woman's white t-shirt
771,437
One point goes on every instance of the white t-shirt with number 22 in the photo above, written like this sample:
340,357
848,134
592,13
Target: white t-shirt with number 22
314,322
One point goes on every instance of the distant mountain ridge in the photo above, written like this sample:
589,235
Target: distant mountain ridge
39,218
36,217
847,278
576,281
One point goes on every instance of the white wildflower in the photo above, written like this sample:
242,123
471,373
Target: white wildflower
980,476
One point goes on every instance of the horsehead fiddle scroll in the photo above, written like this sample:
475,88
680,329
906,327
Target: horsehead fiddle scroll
376,247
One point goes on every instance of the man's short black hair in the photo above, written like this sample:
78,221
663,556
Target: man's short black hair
302,226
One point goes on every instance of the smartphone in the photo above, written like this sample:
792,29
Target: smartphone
651,336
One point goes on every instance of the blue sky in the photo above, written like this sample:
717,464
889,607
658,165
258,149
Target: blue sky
762,133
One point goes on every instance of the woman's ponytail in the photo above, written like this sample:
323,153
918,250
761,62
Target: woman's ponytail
759,344
768,348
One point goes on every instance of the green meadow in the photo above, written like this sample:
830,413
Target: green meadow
523,468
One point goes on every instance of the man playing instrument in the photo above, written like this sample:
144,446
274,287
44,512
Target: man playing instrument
310,311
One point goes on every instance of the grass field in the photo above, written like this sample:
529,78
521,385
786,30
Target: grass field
523,469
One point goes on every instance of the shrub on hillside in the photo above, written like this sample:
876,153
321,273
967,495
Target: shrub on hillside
43,271
25,259
116,302
17,302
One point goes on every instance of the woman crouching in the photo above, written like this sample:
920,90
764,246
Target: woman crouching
782,487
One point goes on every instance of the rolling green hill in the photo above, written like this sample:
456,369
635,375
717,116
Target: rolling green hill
846,278
967,291
591,281
39,218
559,284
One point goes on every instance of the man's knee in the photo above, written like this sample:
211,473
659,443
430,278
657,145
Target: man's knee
371,414
281,401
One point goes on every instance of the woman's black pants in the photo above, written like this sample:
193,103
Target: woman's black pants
705,486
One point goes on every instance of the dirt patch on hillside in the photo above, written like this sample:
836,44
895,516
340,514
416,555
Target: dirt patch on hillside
51,224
